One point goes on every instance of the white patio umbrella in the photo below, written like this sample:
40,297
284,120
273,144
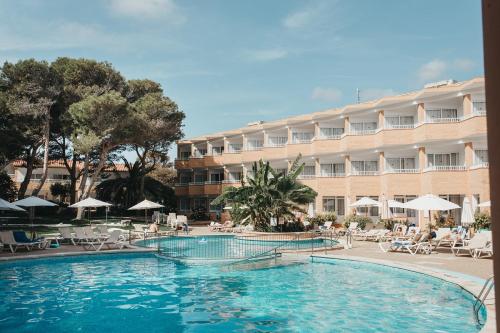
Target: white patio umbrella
485,204
365,202
430,202
395,204
5,205
310,210
146,204
31,203
90,203
386,210
467,217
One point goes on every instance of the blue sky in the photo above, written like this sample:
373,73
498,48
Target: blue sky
229,62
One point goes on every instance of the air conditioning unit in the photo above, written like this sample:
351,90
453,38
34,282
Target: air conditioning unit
255,123
440,83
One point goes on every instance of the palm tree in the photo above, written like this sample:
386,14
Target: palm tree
269,194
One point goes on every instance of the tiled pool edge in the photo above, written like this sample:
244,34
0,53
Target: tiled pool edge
473,288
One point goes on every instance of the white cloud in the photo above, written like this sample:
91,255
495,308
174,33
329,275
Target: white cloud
266,55
147,9
300,18
433,70
465,65
375,93
326,94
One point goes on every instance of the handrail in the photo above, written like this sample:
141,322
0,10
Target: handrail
485,291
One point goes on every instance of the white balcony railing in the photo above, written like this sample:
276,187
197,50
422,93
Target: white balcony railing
364,173
301,141
274,145
442,120
406,126
197,183
446,168
401,171
231,181
181,184
363,132
332,174
213,182
479,108
306,176
480,165
254,148
330,136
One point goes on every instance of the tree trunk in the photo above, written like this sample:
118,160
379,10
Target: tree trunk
45,169
97,172
73,178
85,173
30,161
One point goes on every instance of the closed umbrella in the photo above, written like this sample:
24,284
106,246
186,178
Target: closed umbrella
467,217
146,204
386,211
31,203
5,205
430,202
310,211
90,203
485,204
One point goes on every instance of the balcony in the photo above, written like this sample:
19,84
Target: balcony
401,171
275,145
332,174
480,165
363,132
331,136
479,108
446,168
399,126
363,173
306,177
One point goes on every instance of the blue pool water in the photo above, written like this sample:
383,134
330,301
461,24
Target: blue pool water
230,247
146,293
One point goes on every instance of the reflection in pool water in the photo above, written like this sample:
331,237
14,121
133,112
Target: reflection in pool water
144,293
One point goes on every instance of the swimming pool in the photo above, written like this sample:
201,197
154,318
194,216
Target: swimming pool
147,293
235,247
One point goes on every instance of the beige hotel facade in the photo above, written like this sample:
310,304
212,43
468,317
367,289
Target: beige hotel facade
399,147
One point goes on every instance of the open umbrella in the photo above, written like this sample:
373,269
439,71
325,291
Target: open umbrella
146,204
365,202
430,202
5,205
31,203
395,204
90,203
467,212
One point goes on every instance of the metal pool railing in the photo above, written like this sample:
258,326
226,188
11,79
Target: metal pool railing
241,246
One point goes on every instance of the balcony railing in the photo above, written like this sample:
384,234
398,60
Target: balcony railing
254,148
480,165
442,120
197,183
298,141
181,184
306,176
406,126
231,181
446,168
479,108
330,136
401,171
364,173
274,145
363,132
213,182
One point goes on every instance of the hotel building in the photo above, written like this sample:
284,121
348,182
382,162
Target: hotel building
399,147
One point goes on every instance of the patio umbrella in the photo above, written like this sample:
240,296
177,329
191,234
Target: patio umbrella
5,205
90,203
485,204
146,204
395,204
430,202
31,203
386,211
310,210
467,212
365,202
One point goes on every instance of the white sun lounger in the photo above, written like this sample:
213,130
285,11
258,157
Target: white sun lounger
479,241
7,238
411,246
115,239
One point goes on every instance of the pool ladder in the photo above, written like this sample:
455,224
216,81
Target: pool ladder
483,294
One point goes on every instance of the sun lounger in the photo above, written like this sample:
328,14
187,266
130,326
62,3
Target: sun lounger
326,226
67,235
419,243
479,241
115,239
7,238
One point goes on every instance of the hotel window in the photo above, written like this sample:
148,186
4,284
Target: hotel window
214,208
235,147
442,159
199,203
364,166
433,114
217,177
282,170
331,132
301,137
363,127
330,170
184,204
255,144
308,172
399,121
400,163
403,199
372,211
36,176
235,176
199,178
60,176
184,178
480,157
334,205
185,155
200,152
277,141
217,150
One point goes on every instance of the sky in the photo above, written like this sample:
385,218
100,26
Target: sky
227,63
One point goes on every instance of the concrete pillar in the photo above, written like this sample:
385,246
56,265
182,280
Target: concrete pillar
467,105
245,142
421,113
347,165
316,131
469,154
244,171
347,125
209,148
289,134
266,138
226,145
317,168
422,159
381,119
381,162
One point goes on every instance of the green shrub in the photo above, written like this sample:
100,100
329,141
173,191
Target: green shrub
481,221
320,219
361,220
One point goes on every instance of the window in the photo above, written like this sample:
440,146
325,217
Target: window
400,163
436,114
334,205
281,170
399,121
199,203
442,159
60,176
308,172
185,155
235,176
299,137
330,170
199,178
363,126
184,204
235,147
331,132
364,166
403,199
184,178
217,150
217,177
371,211
200,152
214,208
255,144
277,141
480,156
